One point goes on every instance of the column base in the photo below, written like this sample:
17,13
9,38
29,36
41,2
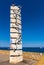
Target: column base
15,60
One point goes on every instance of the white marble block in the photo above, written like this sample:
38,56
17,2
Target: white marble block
16,52
15,60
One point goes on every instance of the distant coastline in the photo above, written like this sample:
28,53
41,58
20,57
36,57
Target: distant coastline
27,49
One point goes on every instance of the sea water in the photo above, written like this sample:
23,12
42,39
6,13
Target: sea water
27,49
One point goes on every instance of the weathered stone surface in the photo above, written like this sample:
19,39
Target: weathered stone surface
15,35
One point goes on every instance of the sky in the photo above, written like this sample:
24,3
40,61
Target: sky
32,15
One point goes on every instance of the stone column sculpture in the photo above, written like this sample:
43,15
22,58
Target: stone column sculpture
15,35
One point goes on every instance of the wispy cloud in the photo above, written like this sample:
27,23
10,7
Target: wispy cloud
4,44
33,44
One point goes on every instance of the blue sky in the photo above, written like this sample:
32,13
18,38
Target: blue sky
32,22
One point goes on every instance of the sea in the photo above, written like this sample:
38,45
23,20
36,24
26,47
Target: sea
27,49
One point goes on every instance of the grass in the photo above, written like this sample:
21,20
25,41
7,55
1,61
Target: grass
41,61
4,52
30,55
